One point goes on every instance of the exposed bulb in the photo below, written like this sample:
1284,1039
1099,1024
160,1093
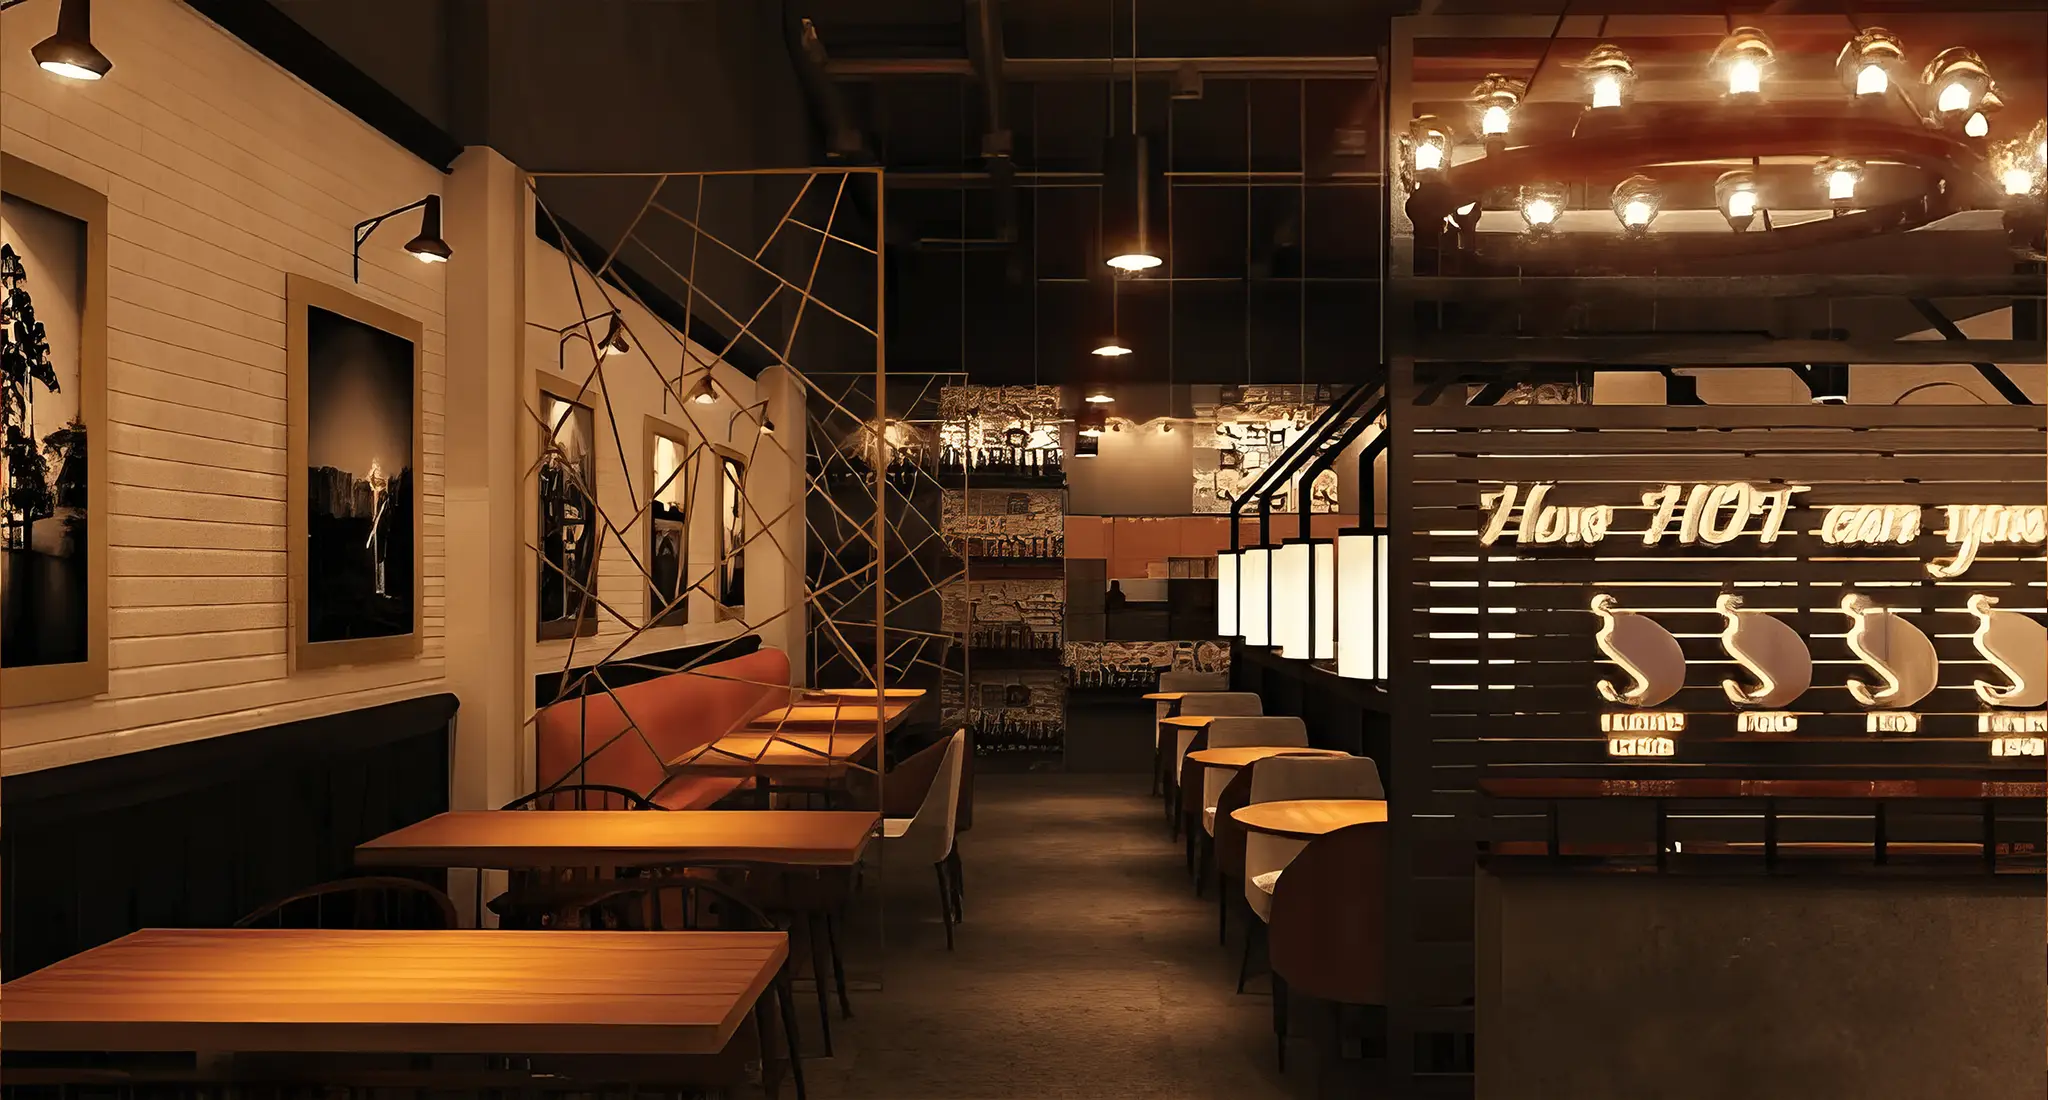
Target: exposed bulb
1977,125
1494,122
69,71
1606,91
1636,213
1135,261
423,257
1429,157
1955,96
2017,181
1742,204
1540,211
1871,80
1745,77
1841,184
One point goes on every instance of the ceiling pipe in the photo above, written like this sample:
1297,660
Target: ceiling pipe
1049,69
843,138
985,53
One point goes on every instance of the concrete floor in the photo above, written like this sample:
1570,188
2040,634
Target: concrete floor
1085,968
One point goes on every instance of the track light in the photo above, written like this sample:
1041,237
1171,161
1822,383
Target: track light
1111,347
1868,61
427,247
1735,195
70,53
1610,75
702,393
1742,60
1636,202
1542,204
1840,175
1127,206
1494,100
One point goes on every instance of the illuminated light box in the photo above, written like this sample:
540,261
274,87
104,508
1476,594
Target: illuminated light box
1226,593
1304,599
1361,598
1254,596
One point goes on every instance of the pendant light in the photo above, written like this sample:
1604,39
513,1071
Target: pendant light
1610,76
1127,185
70,53
1226,593
1735,195
1636,202
1956,81
1362,651
702,393
1304,599
1742,61
1542,204
1099,395
1255,595
1870,62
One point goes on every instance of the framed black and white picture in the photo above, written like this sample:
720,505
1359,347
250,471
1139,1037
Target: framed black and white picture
732,535
53,535
355,500
566,499
668,530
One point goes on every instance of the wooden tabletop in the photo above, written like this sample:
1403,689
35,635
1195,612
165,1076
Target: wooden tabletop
778,755
1306,819
1165,696
269,990
829,718
1189,721
1576,787
1240,756
806,695
531,839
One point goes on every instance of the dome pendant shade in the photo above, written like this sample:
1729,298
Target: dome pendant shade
428,247
1128,244
70,53
1111,347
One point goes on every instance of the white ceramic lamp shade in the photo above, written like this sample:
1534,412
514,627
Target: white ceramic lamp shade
1362,606
1226,593
1254,596
1304,600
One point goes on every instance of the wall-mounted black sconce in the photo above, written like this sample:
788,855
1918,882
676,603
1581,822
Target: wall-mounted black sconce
70,53
428,247
702,393
614,341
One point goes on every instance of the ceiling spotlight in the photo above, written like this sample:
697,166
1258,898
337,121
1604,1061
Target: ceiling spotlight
1868,61
1636,201
1610,75
1428,148
1735,195
428,246
1742,60
702,393
1542,204
1111,347
1098,395
70,53
1840,175
1126,193
1494,100
1957,78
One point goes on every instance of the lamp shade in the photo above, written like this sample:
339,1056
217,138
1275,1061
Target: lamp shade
1226,593
1304,599
1362,606
1255,596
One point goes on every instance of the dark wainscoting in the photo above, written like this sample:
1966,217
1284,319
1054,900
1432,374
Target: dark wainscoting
201,834
617,674
1350,715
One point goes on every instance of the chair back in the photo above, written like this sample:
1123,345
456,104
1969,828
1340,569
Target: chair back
1225,733
1186,681
684,901
1202,704
1287,778
1329,919
378,901
1235,794
930,833
581,796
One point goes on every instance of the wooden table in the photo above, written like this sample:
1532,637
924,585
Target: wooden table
1307,819
269,990
783,757
1165,696
810,695
1189,721
536,839
1242,756
829,718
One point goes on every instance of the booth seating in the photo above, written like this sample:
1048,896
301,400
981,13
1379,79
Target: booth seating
1226,733
1161,709
1326,938
1195,705
1285,778
661,719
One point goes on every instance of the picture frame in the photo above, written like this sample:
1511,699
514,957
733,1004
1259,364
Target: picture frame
667,541
333,333
63,679
729,579
558,516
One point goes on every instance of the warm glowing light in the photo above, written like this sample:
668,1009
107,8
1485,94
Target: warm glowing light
1871,80
1255,596
1099,397
1636,213
423,257
2017,181
1839,176
1226,593
1742,203
1955,96
1540,212
1135,261
1111,347
1841,184
1362,613
69,71
1494,100
703,394
1635,203
1092,431
1606,91
1494,121
1745,76
1429,157
1867,60
1977,126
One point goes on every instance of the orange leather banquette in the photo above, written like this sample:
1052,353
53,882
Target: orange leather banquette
669,715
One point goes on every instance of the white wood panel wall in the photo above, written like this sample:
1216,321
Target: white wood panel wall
222,173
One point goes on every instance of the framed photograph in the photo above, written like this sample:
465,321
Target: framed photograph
732,535
53,466
668,524
354,500
566,495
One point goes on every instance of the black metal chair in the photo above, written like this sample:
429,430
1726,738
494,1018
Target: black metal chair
537,899
581,796
700,902
381,901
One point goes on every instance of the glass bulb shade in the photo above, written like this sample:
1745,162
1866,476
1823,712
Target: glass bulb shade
1226,593
1494,100
1495,121
1958,78
1741,60
1636,201
1867,60
1745,76
1872,80
1255,596
1542,204
1290,607
1977,125
1361,622
1636,214
1609,73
